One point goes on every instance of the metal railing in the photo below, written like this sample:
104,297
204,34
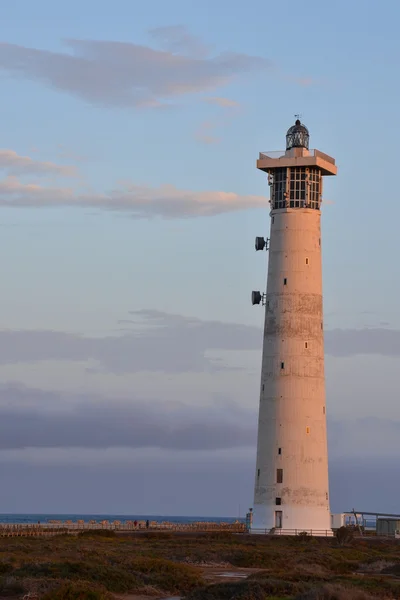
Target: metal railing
281,153
299,532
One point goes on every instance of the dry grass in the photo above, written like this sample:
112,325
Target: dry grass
334,592
93,567
77,591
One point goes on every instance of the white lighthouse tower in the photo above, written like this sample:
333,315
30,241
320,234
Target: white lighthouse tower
291,484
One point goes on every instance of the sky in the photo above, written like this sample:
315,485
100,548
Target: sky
130,353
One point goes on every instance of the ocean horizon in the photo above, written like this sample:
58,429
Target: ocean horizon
46,517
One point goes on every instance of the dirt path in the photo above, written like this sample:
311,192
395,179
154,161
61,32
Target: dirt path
220,574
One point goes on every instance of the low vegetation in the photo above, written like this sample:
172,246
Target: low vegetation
108,566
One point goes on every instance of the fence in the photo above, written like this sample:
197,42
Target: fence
299,532
56,527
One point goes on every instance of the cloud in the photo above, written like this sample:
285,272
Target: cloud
65,153
16,193
93,422
223,102
34,418
157,341
110,73
178,487
352,437
98,431
177,40
350,342
161,342
204,133
304,81
165,201
14,164
301,81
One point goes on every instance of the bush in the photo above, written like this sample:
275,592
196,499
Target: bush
334,592
392,570
156,535
5,567
167,575
222,536
344,535
113,578
303,535
247,590
249,558
9,586
78,591
104,533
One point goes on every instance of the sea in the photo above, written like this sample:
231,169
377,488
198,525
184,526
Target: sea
45,518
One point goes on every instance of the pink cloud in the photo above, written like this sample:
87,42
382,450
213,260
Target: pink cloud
223,102
113,73
204,133
140,201
15,164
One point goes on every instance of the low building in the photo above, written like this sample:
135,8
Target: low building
387,526
338,520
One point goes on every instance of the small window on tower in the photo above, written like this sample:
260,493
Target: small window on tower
279,450
278,501
263,387
307,430
306,345
279,476
307,261
285,281
282,365
258,473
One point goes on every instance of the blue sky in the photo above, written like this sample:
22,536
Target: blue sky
129,201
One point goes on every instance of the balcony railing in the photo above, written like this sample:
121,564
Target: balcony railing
281,154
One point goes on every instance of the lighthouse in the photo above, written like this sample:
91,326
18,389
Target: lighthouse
291,481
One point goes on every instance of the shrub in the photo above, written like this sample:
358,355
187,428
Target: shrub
246,590
5,567
113,578
249,558
344,535
392,570
78,591
222,536
157,535
334,592
104,533
9,586
167,575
